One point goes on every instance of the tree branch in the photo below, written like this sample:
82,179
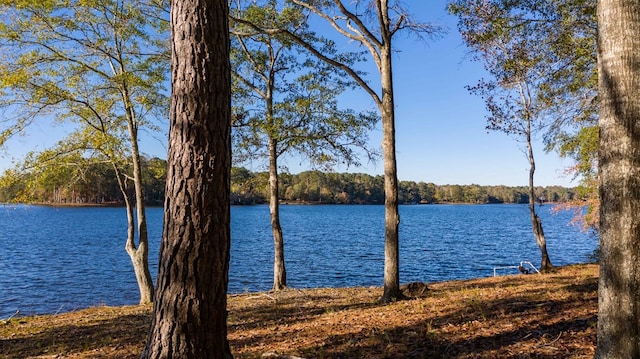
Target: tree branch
319,55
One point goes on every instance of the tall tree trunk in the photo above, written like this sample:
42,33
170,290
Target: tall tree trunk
536,222
619,172
139,255
190,309
279,271
391,214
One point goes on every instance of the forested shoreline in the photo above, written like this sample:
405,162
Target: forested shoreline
97,185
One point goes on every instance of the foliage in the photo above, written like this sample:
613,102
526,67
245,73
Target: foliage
87,62
555,38
98,185
548,48
583,148
503,41
360,188
97,64
287,99
57,178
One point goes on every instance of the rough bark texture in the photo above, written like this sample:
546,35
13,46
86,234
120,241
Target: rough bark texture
279,270
619,161
392,290
190,318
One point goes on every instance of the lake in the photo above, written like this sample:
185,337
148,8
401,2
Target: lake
58,259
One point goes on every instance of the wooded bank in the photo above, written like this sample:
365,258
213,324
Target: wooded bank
98,185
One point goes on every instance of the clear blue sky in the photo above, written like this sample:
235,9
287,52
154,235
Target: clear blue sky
440,127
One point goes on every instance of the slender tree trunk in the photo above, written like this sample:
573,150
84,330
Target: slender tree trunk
392,216
139,258
139,255
190,309
619,172
279,271
536,222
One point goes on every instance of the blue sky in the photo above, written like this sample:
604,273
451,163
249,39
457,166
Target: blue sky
440,127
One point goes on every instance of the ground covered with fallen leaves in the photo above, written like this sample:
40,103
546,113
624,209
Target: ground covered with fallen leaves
522,316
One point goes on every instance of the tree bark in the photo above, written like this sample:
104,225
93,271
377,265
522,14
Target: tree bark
536,222
392,290
619,172
139,258
190,316
139,255
279,270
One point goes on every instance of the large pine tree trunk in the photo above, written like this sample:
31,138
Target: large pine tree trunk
190,316
392,216
279,271
619,171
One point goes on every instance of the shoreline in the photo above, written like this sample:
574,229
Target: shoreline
551,315
403,287
283,203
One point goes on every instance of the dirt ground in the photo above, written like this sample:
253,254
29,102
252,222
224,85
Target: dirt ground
522,316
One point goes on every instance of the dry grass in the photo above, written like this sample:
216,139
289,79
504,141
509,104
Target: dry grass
532,316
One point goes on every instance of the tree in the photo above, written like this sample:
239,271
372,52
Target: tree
619,80
567,71
154,171
61,175
97,64
377,38
190,309
55,177
573,87
583,148
372,24
288,103
503,40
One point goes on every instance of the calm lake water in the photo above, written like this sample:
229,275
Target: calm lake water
61,259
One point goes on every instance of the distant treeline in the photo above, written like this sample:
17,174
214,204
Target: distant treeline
98,185
358,188
82,183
